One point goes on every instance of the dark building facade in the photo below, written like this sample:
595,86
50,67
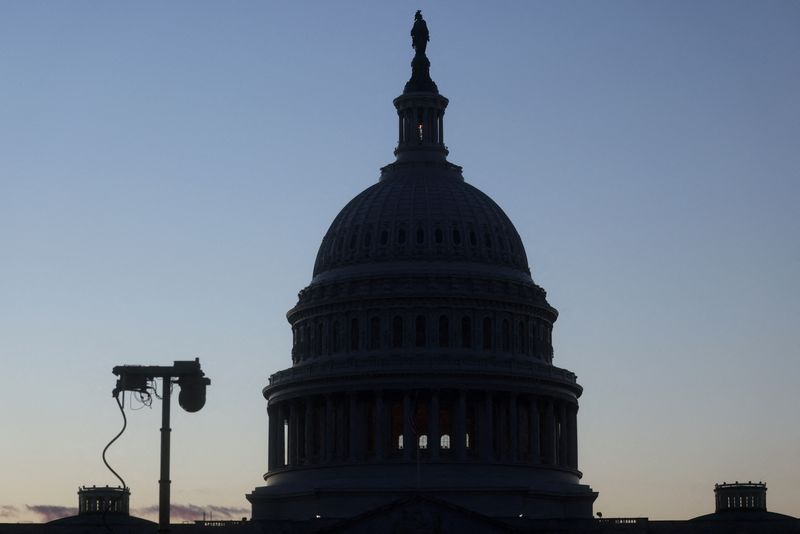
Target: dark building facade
422,355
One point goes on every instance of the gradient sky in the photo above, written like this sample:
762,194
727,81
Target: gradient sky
168,170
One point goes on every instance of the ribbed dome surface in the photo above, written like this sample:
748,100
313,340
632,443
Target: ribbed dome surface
421,216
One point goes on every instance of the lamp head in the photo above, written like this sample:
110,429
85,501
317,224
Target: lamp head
192,397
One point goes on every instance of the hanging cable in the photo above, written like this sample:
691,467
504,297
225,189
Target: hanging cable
107,504
115,438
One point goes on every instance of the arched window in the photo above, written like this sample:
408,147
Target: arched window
438,235
319,340
374,333
444,442
521,337
401,236
466,332
423,441
420,236
444,331
420,330
487,333
506,333
397,332
354,334
456,236
384,236
400,442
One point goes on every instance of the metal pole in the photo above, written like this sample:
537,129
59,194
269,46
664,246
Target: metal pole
164,482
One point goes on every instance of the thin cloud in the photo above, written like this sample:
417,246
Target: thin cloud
192,512
7,510
51,511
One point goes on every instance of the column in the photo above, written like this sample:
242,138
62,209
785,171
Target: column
461,426
353,430
410,126
338,404
408,439
280,444
533,408
293,433
549,441
434,440
513,421
563,440
380,426
400,128
272,438
308,439
501,448
487,429
572,424
330,424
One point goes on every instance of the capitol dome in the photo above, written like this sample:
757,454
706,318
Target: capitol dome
422,355
418,215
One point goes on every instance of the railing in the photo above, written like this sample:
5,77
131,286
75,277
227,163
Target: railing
623,521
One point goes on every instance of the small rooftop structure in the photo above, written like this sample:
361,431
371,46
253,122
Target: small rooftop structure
104,499
740,496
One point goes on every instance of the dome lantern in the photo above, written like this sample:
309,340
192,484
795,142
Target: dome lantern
420,109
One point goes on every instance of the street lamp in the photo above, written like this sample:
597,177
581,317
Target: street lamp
192,397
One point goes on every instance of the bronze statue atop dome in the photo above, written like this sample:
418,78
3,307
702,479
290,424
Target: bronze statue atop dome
419,34
420,66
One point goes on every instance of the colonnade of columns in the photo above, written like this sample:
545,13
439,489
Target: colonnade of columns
421,125
436,425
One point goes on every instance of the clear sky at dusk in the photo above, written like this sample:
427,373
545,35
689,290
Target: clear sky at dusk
168,170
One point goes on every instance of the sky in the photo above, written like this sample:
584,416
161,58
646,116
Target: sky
168,170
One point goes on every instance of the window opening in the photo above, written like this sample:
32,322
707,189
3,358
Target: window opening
487,333
354,334
466,332
335,336
397,332
421,334
444,331
374,333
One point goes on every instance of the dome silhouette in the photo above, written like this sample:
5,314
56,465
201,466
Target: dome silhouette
414,215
